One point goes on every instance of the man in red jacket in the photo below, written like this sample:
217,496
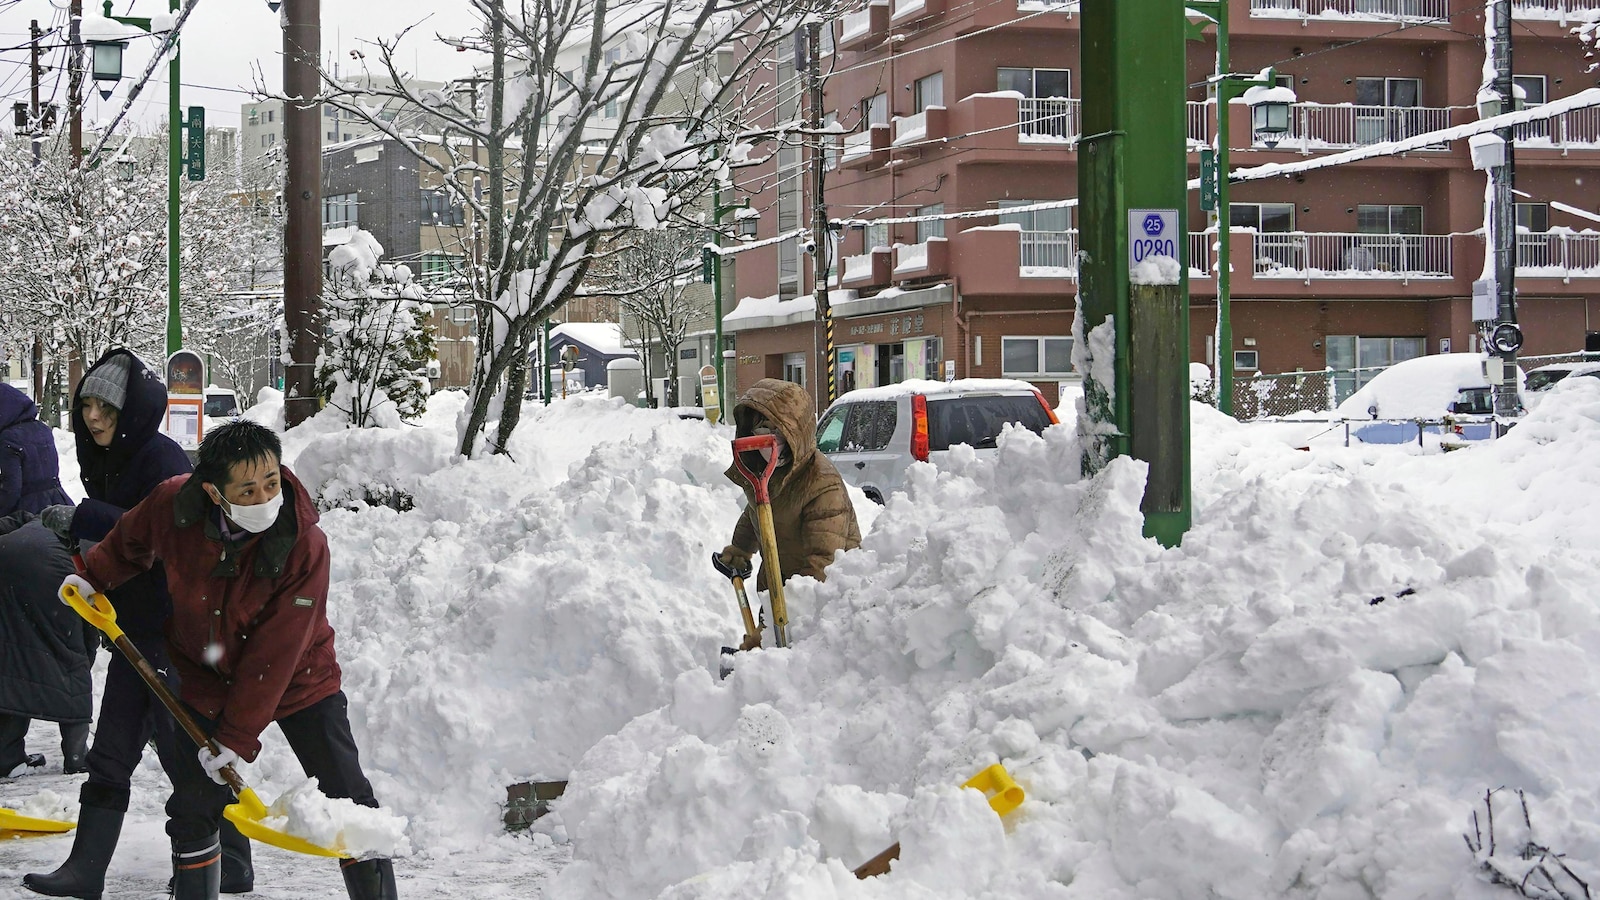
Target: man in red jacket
247,568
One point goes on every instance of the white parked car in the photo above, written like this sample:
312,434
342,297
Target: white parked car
873,435
222,404
1426,388
1545,377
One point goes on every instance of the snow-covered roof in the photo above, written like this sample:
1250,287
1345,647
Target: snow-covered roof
933,388
769,312
602,337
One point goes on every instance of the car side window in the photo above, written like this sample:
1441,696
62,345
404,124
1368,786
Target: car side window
871,425
831,430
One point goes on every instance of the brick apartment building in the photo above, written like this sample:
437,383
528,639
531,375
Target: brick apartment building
961,106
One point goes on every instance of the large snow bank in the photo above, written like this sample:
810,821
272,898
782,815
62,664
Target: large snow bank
1238,717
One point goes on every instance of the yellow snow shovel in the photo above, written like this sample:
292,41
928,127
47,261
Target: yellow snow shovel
764,527
247,814
995,782
15,825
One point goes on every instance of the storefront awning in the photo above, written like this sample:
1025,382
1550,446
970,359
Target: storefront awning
769,312
894,300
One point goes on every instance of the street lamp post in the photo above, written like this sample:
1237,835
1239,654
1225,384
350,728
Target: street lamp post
109,56
1270,117
717,212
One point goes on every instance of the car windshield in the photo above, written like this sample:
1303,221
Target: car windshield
977,421
221,406
1538,381
1475,401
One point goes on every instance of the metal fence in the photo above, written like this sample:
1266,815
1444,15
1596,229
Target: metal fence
1389,10
1050,250
1573,128
1558,254
1048,117
1317,126
1554,10
1298,254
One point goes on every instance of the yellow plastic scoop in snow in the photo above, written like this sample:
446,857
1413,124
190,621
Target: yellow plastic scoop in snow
995,783
15,825
249,813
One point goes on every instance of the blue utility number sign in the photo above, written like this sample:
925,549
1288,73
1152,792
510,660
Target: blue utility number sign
1152,232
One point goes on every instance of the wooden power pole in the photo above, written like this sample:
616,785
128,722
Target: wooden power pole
302,232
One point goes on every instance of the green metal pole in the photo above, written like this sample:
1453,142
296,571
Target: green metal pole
544,363
1224,226
1132,181
716,303
174,172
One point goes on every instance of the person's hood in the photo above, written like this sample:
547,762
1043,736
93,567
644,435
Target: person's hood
15,407
142,411
787,406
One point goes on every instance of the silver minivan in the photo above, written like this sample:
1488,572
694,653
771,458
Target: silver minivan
873,435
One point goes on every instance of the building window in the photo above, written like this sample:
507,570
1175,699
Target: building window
1056,220
830,157
1381,219
1402,93
1385,109
1036,357
1356,359
1276,218
439,208
1246,360
340,210
613,56
874,237
333,135
928,91
1534,217
271,114
794,368
439,265
462,315
875,110
1035,83
611,109
268,139
933,227
1533,89
688,353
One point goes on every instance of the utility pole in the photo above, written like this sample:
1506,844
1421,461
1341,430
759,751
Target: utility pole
34,124
75,81
33,127
302,232
1133,293
812,46
1506,339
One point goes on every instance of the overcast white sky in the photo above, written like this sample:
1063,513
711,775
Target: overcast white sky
224,43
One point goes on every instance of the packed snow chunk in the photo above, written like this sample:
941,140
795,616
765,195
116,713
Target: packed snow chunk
1156,270
339,824
49,805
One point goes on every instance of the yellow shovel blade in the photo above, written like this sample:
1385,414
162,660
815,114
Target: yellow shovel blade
247,816
13,821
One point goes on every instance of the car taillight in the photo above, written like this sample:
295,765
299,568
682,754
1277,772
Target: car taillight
1047,410
919,427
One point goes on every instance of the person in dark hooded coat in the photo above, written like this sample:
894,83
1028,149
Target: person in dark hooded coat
117,412
30,473
46,651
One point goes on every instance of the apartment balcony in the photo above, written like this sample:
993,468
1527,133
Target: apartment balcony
1018,15
1307,257
866,28
1006,259
1049,120
865,150
1416,11
1576,129
929,125
1560,255
871,269
1562,12
929,259
1344,126
904,12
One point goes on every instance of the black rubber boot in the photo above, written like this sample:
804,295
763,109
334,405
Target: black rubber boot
238,876
196,869
83,875
369,879
75,749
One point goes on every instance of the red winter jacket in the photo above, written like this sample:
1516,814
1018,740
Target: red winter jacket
261,603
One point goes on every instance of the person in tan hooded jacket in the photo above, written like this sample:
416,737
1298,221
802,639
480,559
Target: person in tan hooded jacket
811,513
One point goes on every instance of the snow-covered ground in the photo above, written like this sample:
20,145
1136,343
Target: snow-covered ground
1240,717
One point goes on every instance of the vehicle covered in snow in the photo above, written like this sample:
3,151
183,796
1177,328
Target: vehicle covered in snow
873,435
1545,377
1417,395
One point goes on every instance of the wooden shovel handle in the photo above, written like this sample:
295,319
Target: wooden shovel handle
878,865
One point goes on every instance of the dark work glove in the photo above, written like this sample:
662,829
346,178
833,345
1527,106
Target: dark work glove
59,519
732,562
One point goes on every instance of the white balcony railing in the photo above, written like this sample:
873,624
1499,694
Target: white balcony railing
1558,254
1049,254
856,146
1046,119
1575,128
1201,244
1062,6
1317,126
1562,11
1199,123
1297,254
1370,10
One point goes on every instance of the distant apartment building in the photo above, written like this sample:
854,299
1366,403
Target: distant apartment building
947,113
261,128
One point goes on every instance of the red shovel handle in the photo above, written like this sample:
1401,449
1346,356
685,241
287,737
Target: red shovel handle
757,442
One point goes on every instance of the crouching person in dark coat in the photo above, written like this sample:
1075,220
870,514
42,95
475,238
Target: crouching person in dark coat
45,653
247,568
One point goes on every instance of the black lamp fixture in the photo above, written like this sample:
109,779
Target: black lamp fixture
106,65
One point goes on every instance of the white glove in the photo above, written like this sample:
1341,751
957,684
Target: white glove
214,763
81,583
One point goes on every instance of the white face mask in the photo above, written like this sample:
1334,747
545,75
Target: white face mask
254,519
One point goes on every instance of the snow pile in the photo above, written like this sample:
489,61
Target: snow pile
1265,711
360,831
49,805
1156,270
